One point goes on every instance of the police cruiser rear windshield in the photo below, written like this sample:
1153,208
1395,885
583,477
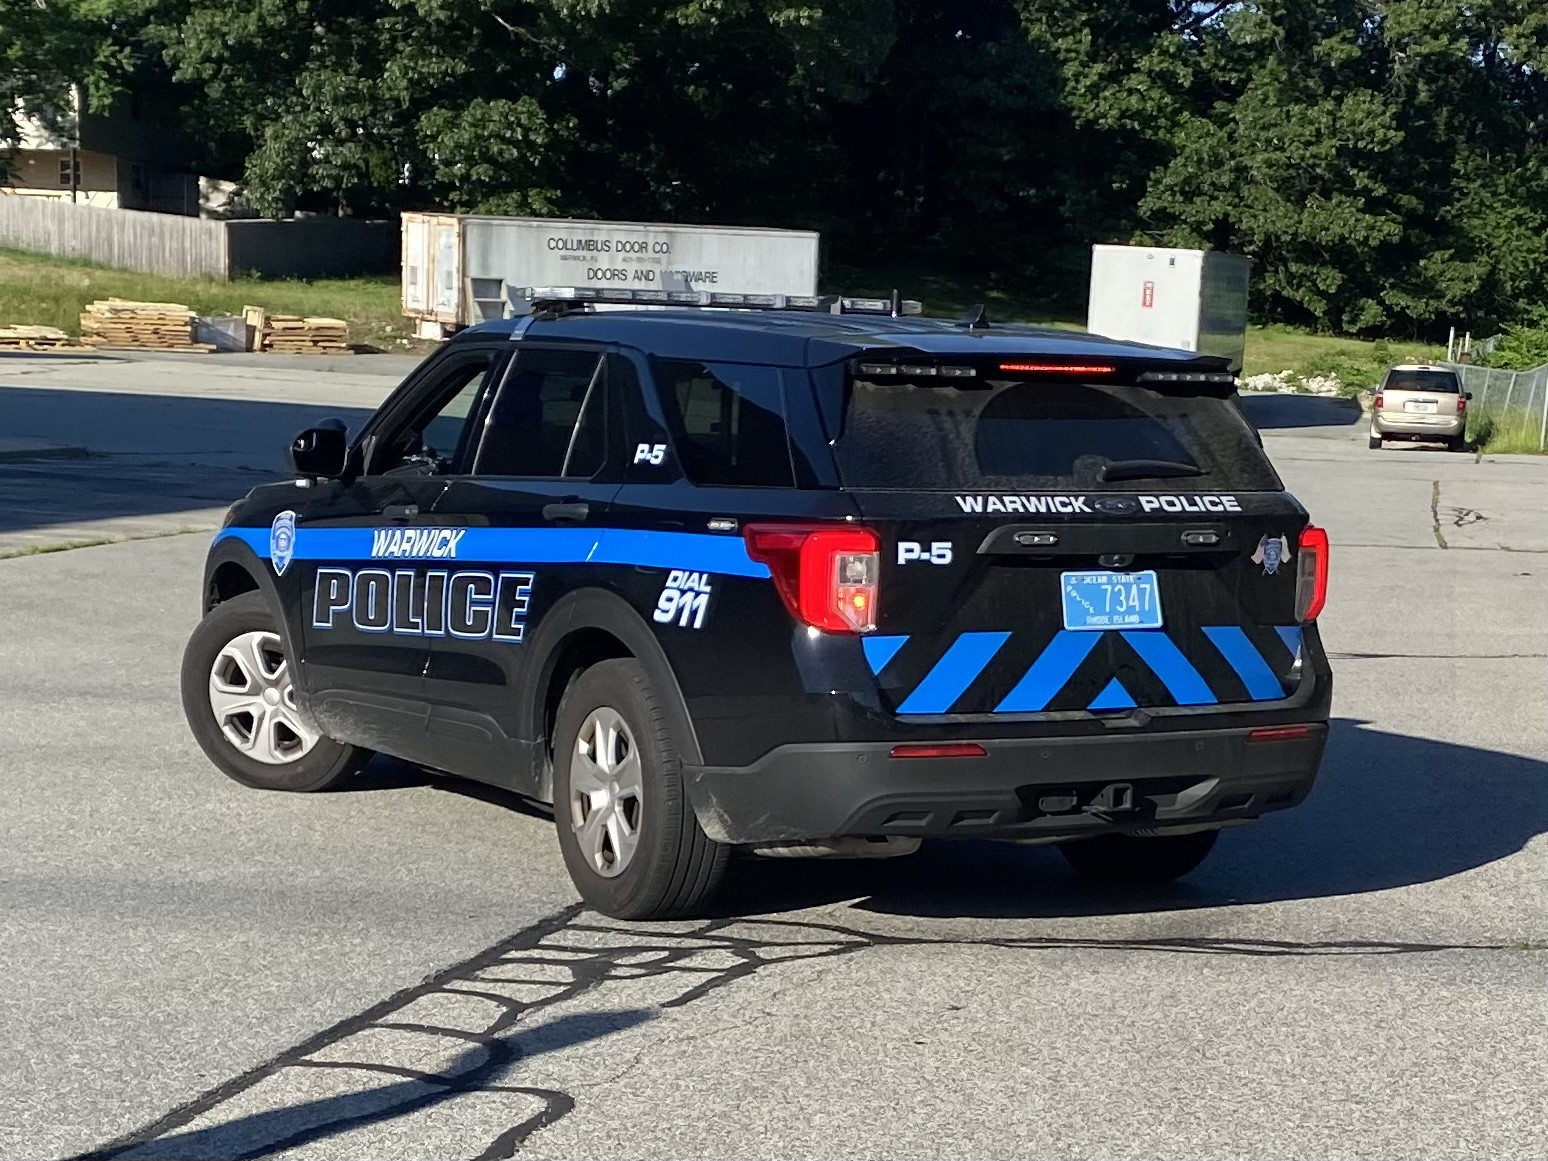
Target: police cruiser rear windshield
1029,435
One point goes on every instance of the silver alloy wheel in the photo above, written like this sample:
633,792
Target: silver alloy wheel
254,700
607,793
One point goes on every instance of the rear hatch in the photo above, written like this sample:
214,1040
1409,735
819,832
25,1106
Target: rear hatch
1421,396
1064,540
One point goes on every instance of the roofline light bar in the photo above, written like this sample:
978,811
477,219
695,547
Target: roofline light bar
549,297
1187,377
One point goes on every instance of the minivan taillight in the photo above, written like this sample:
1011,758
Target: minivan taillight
1376,403
1311,577
826,575
1461,404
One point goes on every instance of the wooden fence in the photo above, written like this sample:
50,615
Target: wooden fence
191,247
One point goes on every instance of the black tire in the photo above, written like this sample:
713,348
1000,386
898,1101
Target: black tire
1374,443
1124,858
324,766
1457,443
675,867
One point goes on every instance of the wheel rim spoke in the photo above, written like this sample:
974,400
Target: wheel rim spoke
607,792
253,700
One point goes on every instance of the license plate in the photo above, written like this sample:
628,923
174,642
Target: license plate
1425,405
1111,600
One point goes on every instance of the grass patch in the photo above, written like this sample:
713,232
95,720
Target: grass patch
1513,432
41,290
93,542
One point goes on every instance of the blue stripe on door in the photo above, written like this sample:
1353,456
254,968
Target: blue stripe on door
880,650
1291,636
1159,652
1113,696
1054,666
953,673
693,551
1249,664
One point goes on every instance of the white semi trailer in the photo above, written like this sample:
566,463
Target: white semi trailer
1192,300
459,269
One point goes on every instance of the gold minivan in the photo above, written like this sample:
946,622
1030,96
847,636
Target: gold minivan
1420,402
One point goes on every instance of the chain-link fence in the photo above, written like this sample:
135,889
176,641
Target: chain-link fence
1509,409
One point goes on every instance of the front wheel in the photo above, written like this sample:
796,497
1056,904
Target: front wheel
1127,858
626,829
240,702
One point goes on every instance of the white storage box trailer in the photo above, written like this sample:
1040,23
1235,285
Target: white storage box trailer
1191,300
459,269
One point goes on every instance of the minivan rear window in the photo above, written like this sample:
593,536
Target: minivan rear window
1444,381
1045,435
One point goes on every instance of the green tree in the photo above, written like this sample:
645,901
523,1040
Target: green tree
48,46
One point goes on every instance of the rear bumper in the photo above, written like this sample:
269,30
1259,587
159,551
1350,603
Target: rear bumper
1021,788
1436,427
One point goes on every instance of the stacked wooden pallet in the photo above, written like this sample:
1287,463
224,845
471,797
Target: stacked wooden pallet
294,335
121,322
30,338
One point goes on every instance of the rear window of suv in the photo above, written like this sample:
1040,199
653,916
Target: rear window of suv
1010,435
1444,381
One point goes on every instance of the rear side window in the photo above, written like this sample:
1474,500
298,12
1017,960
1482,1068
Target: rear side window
1442,381
727,422
1002,435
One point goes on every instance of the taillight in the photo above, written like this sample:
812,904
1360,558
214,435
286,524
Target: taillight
826,575
1311,578
1377,402
1461,404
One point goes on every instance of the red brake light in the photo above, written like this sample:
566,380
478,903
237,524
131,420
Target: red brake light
1376,403
826,575
939,750
1057,368
1311,578
1461,404
1279,733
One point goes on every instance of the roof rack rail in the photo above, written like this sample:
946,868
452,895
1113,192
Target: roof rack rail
557,300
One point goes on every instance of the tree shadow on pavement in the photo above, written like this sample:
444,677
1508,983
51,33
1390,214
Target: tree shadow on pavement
1387,811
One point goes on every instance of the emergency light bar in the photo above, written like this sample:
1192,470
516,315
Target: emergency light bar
548,298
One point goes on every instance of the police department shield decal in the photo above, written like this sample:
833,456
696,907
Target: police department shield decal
1270,553
282,541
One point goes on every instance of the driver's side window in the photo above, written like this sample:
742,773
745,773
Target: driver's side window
434,439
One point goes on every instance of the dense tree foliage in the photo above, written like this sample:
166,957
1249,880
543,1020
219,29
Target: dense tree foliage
1382,161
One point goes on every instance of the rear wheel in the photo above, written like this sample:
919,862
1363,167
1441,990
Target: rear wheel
1457,443
1375,442
626,830
240,701
1126,858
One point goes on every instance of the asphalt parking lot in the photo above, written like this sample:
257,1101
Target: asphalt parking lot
196,970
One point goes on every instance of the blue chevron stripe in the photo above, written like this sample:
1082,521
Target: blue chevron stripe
1160,652
1113,696
953,673
1244,657
880,650
1054,666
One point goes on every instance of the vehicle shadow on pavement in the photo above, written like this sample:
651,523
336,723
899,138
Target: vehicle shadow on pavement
1387,811
142,455
1271,412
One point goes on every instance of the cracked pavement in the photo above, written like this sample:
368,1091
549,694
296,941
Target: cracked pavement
195,970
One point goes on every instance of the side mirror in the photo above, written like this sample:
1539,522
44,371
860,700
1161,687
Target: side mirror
321,452
1468,395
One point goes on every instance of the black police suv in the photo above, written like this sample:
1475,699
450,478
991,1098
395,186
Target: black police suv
819,578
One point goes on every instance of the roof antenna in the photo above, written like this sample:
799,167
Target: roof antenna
897,303
975,319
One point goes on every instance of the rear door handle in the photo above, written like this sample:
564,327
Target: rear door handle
400,511
567,511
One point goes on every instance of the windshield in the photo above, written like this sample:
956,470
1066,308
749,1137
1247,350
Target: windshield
1004,435
1422,381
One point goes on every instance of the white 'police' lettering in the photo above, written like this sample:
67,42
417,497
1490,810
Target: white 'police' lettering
472,605
1025,505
